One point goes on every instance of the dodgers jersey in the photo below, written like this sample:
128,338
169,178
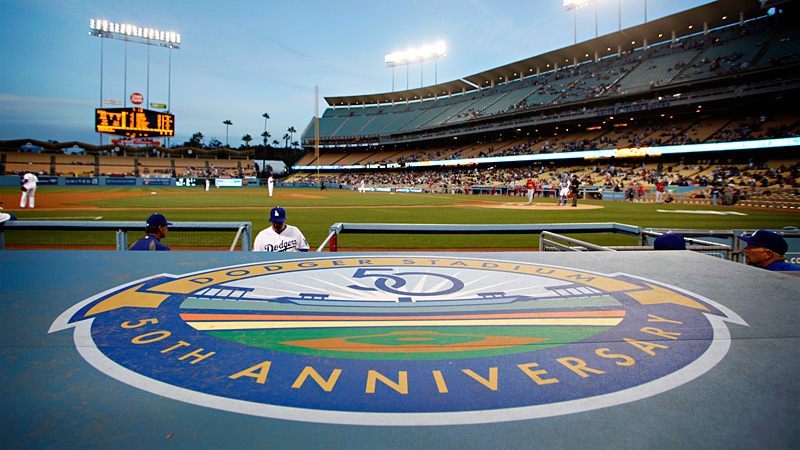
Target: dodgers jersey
29,181
288,240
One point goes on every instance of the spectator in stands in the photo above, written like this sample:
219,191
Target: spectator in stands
766,250
156,229
670,241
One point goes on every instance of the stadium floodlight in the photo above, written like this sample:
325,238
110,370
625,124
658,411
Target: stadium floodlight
130,32
575,4
417,55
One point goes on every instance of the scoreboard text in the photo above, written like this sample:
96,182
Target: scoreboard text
134,122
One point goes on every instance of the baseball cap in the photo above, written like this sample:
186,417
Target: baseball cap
277,214
669,241
156,220
767,239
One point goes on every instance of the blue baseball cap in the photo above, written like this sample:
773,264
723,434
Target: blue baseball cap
767,239
277,214
156,220
669,241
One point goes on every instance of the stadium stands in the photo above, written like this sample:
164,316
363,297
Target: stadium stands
705,56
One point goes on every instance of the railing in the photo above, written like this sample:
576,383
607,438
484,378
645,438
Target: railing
33,239
417,228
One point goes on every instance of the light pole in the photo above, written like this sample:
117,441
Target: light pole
574,5
132,33
416,55
227,123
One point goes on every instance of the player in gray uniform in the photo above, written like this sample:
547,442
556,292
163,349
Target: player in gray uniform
280,237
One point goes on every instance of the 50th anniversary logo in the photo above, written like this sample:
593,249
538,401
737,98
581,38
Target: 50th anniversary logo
400,340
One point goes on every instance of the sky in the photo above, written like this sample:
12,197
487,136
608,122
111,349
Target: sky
243,58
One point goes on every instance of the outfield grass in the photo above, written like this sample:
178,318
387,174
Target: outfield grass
314,211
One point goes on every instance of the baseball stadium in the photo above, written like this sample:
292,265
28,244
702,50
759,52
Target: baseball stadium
484,263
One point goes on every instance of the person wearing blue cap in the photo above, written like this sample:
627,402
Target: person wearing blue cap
669,241
280,237
156,229
765,249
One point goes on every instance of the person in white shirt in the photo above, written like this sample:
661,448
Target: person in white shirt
280,237
29,181
270,184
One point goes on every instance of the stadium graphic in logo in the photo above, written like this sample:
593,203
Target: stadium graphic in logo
401,340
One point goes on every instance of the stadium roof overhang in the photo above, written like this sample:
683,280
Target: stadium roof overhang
693,21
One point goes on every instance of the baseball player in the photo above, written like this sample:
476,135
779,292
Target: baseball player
531,190
29,181
563,193
362,187
208,184
270,184
659,192
280,237
156,228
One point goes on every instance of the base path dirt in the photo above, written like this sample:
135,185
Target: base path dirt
69,201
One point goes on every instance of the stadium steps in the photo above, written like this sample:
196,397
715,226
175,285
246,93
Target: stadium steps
766,48
772,202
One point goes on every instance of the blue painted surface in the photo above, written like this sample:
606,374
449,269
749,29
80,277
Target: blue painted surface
52,398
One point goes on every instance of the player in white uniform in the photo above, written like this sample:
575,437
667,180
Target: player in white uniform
280,237
361,187
563,195
29,181
270,184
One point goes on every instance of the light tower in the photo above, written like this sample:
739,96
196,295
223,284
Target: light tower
132,33
417,55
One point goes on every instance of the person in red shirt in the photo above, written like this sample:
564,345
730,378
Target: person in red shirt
530,187
660,192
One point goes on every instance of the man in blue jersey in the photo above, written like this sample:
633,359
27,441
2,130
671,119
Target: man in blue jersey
765,249
156,228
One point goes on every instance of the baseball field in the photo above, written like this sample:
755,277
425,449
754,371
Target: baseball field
314,211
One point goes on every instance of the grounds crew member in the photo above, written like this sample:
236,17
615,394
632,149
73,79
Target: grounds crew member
156,228
280,237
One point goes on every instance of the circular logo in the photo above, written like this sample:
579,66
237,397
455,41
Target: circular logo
137,98
400,340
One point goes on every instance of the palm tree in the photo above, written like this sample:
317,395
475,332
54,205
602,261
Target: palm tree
227,124
275,143
266,136
246,138
291,131
286,139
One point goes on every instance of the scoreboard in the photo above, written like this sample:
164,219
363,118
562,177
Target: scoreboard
134,122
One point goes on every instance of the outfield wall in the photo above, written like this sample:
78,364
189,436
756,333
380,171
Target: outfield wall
47,180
